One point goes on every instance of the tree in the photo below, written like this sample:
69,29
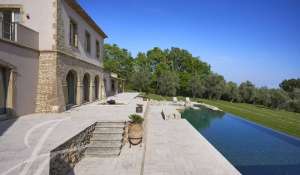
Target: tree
247,92
167,83
141,77
231,92
214,86
195,85
263,96
118,60
279,99
290,85
156,56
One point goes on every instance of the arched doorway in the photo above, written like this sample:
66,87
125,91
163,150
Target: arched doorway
86,87
96,83
71,88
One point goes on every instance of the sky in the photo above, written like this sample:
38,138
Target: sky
256,40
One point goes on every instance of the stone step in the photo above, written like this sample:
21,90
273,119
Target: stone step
109,130
103,151
105,144
107,136
109,124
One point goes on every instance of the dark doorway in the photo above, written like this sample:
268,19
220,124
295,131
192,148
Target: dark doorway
86,88
96,87
72,89
3,90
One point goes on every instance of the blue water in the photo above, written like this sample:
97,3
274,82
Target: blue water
251,148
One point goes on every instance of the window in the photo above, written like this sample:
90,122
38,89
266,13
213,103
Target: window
73,34
97,49
9,18
87,42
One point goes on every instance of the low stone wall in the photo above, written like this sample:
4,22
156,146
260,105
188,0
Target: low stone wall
67,155
170,112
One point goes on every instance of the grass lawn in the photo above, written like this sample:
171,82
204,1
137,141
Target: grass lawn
287,122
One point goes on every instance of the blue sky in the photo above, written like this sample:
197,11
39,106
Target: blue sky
256,40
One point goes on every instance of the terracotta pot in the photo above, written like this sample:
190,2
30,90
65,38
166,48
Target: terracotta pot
135,133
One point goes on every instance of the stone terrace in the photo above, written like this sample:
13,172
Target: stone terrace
171,147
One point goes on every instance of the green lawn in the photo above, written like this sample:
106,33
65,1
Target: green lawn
284,121
287,122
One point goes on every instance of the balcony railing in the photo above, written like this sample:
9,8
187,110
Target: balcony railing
20,34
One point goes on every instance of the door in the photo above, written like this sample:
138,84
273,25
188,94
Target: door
71,89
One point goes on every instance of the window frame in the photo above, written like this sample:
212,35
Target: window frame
87,42
98,54
73,33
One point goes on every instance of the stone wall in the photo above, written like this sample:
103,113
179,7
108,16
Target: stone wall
52,85
48,95
67,155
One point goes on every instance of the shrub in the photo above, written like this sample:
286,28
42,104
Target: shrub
135,118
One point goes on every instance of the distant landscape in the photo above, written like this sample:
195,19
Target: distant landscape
176,72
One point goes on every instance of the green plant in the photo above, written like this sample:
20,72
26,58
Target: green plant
135,118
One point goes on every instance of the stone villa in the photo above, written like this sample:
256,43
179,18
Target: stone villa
51,56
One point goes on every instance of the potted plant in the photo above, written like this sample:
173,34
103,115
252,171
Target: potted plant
135,129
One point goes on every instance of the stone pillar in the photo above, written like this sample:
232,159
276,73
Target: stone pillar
91,90
102,89
65,91
47,91
79,93
11,89
116,87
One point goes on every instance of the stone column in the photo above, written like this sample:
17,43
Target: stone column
92,91
79,93
11,89
102,89
65,91
116,87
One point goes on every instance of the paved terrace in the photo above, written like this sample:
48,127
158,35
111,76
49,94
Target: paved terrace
33,136
172,147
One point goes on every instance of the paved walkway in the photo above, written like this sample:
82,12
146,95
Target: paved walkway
25,143
174,147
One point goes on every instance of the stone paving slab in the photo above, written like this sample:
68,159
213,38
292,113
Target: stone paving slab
174,147
128,163
34,136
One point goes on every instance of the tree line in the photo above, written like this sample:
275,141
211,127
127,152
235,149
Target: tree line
176,72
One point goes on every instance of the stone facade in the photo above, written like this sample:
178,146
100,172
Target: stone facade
55,65
52,88
54,58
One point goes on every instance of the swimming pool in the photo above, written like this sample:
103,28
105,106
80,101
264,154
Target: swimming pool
251,148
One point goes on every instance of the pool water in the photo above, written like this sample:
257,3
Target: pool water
251,148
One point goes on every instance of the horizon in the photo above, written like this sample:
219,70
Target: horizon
250,40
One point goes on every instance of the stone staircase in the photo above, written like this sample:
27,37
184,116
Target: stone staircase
107,139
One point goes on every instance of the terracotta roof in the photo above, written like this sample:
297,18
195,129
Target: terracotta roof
75,6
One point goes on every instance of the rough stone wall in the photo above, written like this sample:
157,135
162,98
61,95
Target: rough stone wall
67,155
47,93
